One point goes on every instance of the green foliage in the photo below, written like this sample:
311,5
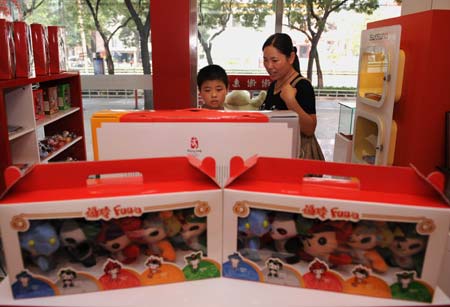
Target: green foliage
252,14
363,6
214,15
83,18
58,12
129,36
110,14
310,17
28,6
297,15
46,13
72,14
67,13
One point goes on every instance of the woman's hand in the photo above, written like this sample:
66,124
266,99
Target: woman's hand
288,93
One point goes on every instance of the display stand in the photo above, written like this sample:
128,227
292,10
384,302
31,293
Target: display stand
420,112
380,79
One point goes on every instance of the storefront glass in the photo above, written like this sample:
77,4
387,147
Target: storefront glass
97,33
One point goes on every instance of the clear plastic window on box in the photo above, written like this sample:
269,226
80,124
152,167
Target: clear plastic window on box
365,257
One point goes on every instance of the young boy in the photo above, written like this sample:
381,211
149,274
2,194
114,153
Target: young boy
212,82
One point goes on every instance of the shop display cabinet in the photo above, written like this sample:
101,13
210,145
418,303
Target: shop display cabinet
21,131
380,80
420,111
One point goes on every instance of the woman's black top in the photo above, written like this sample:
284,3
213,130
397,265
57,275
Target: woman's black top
305,97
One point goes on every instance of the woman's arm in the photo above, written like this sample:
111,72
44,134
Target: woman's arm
307,121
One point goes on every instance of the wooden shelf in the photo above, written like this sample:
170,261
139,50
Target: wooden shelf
19,133
54,117
60,150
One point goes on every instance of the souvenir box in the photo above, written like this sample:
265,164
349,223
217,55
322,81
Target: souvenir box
197,132
57,49
23,50
7,63
39,41
359,229
51,100
90,226
38,100
64,96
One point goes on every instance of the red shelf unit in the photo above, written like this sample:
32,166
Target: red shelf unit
17,109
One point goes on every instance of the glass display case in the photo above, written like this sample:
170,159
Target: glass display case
344,137
346,117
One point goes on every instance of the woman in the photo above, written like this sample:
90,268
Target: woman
290,91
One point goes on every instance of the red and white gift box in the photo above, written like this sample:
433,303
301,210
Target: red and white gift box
360,229
91,226
23,50
7,63
57,49
40,49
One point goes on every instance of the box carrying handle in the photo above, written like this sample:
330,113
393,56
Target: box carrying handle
392,179
76,174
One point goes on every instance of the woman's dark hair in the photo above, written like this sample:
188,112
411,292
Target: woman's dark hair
212,72
283,43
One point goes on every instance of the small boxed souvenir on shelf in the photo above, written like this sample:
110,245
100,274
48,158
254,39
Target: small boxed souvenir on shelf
38,99
110,225
57,49
51,100
23,50
64,96
7,63
39,40
375,231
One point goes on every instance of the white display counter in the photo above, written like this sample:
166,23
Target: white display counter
212,292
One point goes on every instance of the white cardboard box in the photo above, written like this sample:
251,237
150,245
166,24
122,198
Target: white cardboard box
379,232
342,148
201,133
143,222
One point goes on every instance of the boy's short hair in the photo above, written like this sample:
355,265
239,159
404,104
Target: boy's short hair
212,72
